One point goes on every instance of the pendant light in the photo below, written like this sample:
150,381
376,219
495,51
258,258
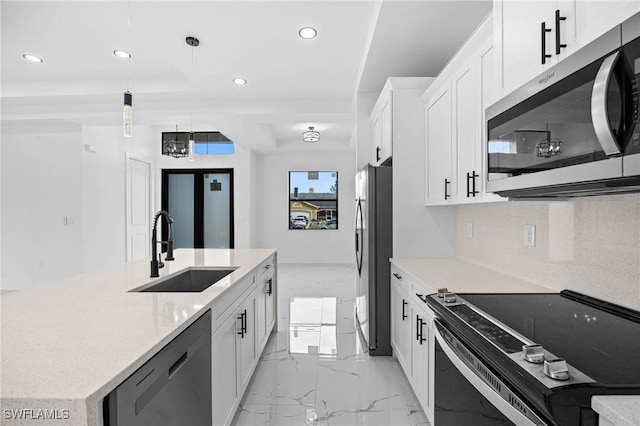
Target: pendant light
193,42
127,114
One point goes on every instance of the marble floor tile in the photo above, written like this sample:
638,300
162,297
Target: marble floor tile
314,370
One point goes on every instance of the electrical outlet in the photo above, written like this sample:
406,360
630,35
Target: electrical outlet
469,230
530,235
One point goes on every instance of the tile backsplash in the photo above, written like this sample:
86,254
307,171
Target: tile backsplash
590,245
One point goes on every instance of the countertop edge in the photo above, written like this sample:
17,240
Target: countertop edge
618,410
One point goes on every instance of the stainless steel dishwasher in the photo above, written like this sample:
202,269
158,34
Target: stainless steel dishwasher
172,388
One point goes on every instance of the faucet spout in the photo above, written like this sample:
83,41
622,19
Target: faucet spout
156,262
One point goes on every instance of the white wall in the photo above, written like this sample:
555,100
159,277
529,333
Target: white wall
41,186
589,245
313,246
103,191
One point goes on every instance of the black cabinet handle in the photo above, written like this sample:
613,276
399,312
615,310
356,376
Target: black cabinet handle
269,288
418,328
422,338
243,323
558,19
378,153
471,189
422,297
404,316
398,276
446,195
241,318
544,31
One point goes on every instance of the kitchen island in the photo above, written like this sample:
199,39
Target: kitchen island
66,345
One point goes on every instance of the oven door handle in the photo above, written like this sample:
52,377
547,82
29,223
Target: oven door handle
476,380
599,99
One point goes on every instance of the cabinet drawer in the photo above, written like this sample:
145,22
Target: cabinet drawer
402,280
266,267
231,297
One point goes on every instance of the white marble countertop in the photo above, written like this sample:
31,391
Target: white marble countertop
461,277
67,344
618,410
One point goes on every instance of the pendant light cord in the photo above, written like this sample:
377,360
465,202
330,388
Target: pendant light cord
192,85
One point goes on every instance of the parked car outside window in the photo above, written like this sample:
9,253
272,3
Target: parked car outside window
298,224
330,224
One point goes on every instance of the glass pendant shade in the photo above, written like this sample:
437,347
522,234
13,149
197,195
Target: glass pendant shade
127,117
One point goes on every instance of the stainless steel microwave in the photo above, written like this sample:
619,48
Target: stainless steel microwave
574,130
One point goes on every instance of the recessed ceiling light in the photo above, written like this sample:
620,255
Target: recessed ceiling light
32,58
307,32
122,54
239,81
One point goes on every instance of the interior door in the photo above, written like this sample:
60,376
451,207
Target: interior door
138,206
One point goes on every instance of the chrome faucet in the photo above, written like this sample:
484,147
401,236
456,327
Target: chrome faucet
156,259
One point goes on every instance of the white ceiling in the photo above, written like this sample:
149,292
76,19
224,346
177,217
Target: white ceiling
292,83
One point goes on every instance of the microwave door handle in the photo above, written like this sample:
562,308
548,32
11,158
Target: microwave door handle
599,114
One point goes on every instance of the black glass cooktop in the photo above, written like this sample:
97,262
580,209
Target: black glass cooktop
603,345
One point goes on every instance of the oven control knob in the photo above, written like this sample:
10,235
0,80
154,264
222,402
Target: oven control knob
556,369
442,292
449,298
533,353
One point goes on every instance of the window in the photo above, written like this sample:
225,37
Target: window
313,200
206,143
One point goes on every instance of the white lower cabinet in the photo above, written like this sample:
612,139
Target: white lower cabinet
265,302
401,324
241,328
412,337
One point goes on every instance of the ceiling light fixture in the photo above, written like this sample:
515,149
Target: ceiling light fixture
240,81
311,135
307,32
173,145
127,115
32,58
127,112
193,42
122,54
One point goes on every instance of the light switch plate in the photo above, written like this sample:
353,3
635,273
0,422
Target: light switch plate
530,235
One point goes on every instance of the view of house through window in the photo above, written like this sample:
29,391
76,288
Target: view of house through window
313,200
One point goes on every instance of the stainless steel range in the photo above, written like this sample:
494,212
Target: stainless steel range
530,359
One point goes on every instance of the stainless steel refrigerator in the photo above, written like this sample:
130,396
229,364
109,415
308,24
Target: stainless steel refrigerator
373,247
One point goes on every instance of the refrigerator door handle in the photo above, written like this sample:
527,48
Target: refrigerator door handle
359,220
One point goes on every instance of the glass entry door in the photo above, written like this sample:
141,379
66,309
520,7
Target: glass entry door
200,201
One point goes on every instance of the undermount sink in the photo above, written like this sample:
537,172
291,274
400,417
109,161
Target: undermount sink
187,281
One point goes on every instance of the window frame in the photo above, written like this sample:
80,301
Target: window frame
333,212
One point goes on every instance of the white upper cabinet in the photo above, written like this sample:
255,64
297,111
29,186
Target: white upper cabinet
531,36
594,18
382,127
438,130
454,119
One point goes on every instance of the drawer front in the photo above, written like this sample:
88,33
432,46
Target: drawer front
401,279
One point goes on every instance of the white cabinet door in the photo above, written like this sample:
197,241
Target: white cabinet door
261,311
270,303
382,127
467,140
532,36
438,138
594,18
401,327
246,339
224,359
420,355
